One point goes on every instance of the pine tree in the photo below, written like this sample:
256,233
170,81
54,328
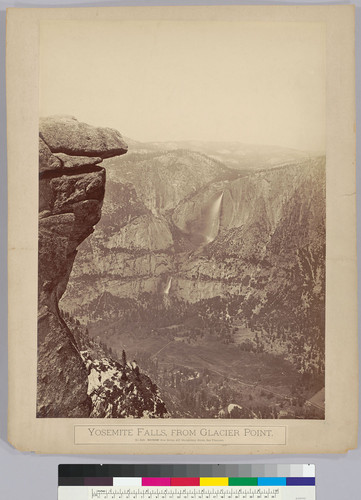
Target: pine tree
124,358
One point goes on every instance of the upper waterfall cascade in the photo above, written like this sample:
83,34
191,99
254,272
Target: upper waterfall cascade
212,224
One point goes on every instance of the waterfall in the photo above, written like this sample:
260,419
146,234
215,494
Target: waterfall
166,298
212,226
167,288
204,228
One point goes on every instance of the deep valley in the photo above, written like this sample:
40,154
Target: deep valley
210,273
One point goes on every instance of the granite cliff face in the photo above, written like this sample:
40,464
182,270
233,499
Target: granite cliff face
71,192
218,226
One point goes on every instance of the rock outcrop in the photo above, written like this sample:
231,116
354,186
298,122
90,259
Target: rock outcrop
71,192
119,391
64,134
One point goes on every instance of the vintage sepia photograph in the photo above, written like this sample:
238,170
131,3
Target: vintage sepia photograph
182,230
182,220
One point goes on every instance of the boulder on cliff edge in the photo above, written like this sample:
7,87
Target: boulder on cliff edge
65,134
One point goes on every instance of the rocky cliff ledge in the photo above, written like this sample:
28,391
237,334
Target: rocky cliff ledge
71,191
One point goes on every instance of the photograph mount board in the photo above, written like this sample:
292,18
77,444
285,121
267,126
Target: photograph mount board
206,311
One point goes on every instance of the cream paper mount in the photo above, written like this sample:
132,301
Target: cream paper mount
213,309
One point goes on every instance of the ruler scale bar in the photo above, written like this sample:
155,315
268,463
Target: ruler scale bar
213,493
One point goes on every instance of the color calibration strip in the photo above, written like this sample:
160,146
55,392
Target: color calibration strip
194,481
224,481
246,475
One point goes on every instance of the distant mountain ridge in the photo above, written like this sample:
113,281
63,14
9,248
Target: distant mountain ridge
236,155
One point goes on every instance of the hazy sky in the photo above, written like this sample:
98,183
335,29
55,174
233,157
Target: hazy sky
259,83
